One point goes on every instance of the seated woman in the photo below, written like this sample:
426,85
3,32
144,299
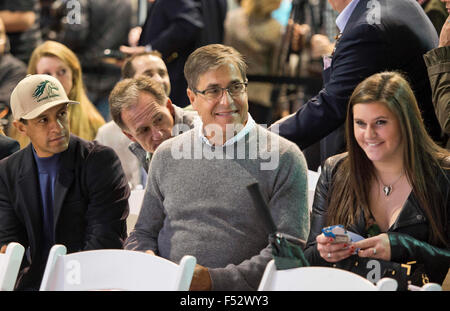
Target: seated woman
392,187
57,60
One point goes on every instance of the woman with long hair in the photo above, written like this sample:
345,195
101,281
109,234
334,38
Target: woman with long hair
392,188
55,59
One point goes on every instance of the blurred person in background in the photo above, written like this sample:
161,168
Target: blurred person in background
57,60
21,19
95,38
175,28
252,31
12,70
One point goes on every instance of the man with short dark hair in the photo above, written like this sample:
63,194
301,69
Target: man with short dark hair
60,189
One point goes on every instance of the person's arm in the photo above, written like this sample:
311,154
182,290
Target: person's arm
289,209
107,207
10,75
360,54
438,65
17,21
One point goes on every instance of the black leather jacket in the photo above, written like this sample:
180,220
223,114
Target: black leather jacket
407,235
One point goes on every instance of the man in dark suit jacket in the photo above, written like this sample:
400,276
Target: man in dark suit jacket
60,189
7,146
175,28
376,35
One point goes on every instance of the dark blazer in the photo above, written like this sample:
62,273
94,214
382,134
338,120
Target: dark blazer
90,209
408,236
397,42
7,146
176,28
172,27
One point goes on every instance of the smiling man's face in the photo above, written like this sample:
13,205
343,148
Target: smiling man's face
226,110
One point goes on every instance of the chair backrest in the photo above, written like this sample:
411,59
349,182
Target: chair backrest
429,287
135,203
10,263
319,279
115,269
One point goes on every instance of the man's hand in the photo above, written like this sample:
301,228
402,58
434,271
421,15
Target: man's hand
201,280
321,45
134,35
444,38
132,49
3,249
377,247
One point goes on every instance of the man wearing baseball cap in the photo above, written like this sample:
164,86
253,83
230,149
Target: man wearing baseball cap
60,189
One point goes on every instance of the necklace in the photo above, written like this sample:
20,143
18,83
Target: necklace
387,189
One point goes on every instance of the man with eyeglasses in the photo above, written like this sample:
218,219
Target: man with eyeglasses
196,201
60,189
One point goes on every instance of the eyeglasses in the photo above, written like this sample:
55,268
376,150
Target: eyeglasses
216,92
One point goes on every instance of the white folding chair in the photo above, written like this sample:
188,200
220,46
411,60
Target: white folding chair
115,269
10,263
135,203
319,279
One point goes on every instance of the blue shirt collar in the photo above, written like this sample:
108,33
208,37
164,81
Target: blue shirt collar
344,16
198,124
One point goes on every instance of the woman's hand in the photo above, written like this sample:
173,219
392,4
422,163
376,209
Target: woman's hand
333,252
375,247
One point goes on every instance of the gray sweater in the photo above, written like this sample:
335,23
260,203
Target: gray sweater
199,205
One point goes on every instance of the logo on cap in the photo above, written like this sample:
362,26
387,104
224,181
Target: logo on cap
51,88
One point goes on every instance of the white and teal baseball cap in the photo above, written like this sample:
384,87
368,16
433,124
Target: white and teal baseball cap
35,94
